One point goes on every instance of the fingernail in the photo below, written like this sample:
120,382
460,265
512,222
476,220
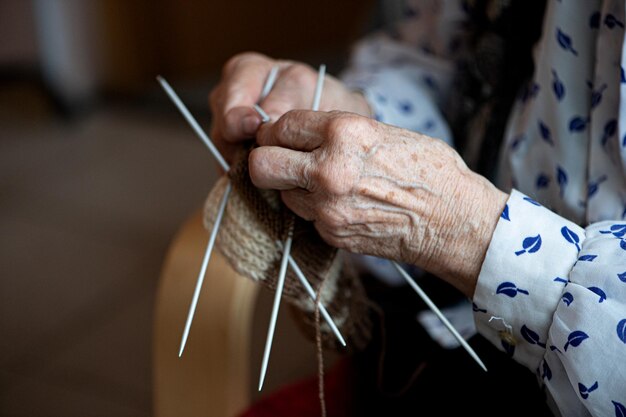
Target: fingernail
250,124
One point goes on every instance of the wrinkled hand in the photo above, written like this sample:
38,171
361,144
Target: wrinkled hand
242,82
375,189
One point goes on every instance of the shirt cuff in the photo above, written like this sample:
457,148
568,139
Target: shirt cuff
523,277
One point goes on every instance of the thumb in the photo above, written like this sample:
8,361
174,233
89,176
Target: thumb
240,123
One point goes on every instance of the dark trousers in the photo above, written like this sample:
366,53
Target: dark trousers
403,372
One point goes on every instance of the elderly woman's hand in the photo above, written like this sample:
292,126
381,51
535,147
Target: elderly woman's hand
243,78
375,189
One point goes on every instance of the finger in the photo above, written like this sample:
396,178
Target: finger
301,130
301,202
293,90
277,168
240,123
244,81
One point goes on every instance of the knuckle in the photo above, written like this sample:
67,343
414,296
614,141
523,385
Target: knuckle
300,74
283,126
341,125
327,177
239,58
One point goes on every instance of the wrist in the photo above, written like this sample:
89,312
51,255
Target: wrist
471,220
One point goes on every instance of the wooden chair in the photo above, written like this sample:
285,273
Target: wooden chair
217,373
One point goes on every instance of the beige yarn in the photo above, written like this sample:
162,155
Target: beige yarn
254,223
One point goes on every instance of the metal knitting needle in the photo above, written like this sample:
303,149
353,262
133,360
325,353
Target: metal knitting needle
292,263
209,249
318,88
286,252
269,82
279,290
264,116
313,297
192,122
205,262
439,314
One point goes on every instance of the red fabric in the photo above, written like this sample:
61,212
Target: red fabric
302,398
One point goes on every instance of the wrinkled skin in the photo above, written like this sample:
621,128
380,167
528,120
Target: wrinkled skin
368,187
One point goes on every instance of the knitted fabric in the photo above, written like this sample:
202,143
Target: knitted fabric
254,224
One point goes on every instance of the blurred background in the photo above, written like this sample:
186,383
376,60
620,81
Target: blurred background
98,171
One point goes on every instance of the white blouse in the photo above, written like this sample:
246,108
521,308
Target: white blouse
552,289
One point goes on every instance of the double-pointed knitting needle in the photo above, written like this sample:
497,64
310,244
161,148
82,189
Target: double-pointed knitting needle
205,263
209,249
192,122
286,253
313,297
269,82
439,314
296,269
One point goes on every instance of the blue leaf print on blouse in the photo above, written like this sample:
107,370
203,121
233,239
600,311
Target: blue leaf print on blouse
561,280
534,90
623,79
430,82
428,125
547,372
477,309
381,98
567,298
594,20
575,338
565,41
611,21
584,391
509,289
622,277
596,96
624,141
546,135
587,258
542,181
557,86
617,230
578,124
531,245
609,130
561,178
598,291
570,236
405,107
505,213
592,188
531,201
531,336
620,409
517,140
622,244
621,330
553,348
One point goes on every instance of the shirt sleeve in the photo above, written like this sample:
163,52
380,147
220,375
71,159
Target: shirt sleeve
553,296
406,74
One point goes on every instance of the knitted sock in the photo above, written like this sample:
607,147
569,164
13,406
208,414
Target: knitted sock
254,222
